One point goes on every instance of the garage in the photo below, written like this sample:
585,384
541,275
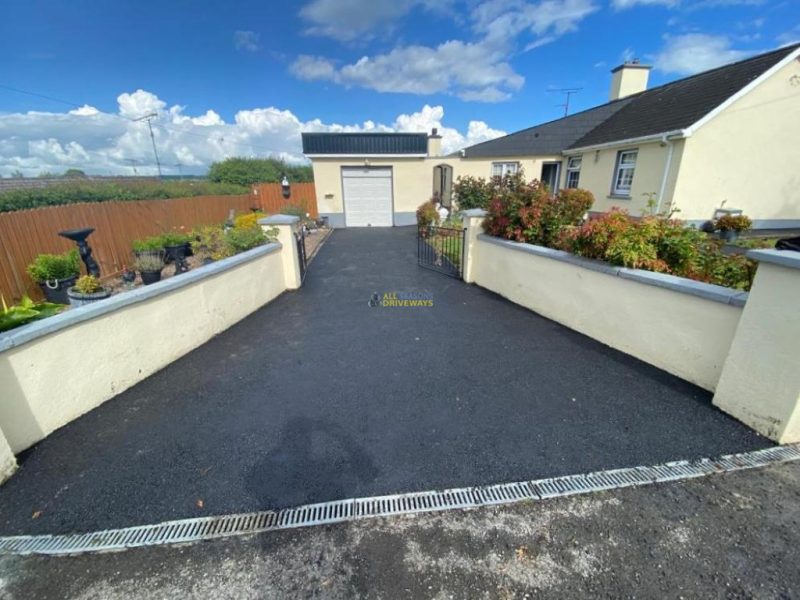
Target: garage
367,196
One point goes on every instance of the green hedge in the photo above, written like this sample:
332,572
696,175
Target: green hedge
99,191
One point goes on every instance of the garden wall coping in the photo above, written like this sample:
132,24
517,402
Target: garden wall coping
708,291
783,258
474,212
279,220
27,333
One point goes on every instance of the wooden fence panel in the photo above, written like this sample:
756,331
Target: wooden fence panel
302,195
26,233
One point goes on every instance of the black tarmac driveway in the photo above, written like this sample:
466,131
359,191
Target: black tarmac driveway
319,396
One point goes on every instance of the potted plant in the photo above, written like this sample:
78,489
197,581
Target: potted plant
55,273
177,248
86,290
151,246
149,267
730,226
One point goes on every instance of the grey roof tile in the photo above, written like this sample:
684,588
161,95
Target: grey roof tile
365,143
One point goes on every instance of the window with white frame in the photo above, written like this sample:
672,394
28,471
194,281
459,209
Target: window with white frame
501,169
573,171
623,175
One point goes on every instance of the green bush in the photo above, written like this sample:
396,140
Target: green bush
427,214
88,284
50,267
527,212
25,312
78,190
149,244
737,223
240,239
472,192
246,171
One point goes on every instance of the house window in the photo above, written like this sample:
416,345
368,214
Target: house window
501,169
623,177
573,172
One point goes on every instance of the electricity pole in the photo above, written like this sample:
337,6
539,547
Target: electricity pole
149,118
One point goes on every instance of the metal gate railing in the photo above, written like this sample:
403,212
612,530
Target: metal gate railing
300,236
441,249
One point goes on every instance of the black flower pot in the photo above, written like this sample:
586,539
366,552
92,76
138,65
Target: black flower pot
178,256
149,277
56,290
77,298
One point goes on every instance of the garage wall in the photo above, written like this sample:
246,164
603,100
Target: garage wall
412,185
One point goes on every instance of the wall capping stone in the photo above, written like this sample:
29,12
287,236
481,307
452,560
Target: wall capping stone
27,333
708,291
474,212
783,258
279,220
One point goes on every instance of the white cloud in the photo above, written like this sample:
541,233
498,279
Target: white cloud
246,40
694,52
103,143
353,20
625,4
472,71
478,70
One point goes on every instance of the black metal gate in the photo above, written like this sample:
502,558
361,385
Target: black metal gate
441,249
300,236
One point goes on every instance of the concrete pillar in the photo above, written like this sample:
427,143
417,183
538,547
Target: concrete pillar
760,382
8,463
473,223
287,226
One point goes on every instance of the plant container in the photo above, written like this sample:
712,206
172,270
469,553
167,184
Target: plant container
729,235
76,298
56,290
149,277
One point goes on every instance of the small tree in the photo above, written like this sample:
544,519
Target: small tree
247,171
74,174
472,192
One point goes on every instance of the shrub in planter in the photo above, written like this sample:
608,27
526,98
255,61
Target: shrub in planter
730,226
150,245
25,312
149,267
208,244
427,215
250,219
86,290
472,192
241,239
55,273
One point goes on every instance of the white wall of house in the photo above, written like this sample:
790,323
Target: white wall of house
748,156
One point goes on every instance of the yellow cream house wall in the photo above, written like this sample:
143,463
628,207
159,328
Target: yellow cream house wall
748,156
412,180
598,169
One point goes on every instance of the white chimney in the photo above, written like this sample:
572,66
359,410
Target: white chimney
434,143
629,78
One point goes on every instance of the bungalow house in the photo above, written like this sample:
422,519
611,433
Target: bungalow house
725,138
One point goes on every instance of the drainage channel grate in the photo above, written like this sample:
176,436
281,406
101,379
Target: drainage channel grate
205,528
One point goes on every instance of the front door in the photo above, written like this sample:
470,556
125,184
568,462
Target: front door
550,175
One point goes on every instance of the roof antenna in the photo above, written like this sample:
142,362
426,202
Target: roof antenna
568,94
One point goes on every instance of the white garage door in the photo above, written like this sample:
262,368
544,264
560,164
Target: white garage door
367,197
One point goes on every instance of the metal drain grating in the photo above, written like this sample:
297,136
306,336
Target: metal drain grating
205,528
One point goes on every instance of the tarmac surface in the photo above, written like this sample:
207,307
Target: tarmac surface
320,396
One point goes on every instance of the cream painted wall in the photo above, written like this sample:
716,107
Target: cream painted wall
412,177
412,181
8,462
748,155
760,384
53,379
683,334
597,174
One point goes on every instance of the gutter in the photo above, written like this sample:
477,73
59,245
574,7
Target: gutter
656,137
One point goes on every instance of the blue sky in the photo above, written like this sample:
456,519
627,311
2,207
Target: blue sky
268,70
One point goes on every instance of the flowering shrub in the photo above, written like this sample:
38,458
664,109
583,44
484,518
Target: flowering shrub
527,212
661,244
736,223
427,214
472,192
